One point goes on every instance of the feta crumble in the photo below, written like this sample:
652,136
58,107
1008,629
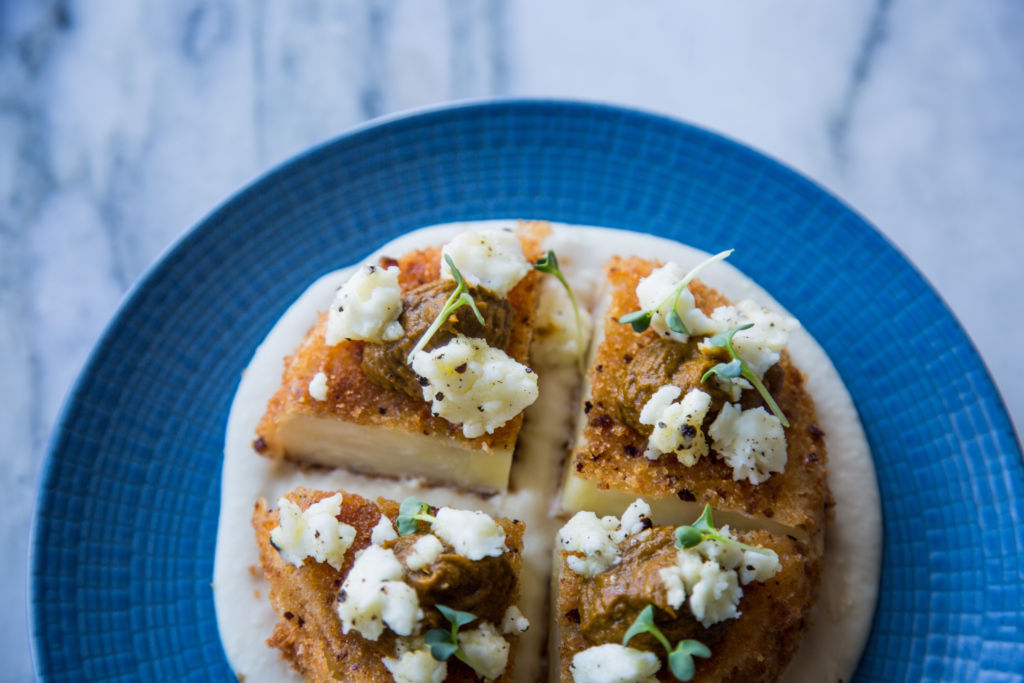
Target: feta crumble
710,574
374,595
366,307
485,650
475,385
752,442
474,535
416,666
598,539
514,621
489,258
318,386
614,663
383,531
556,340
652,291
677,426
759,346
314,532
423,552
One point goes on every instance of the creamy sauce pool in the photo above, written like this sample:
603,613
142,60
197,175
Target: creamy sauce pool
840,621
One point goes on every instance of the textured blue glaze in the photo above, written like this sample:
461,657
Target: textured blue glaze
122,552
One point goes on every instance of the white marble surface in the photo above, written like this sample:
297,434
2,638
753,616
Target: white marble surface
124,122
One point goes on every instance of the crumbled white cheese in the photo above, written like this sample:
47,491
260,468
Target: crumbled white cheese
760,345
366,307
489,258
416,666
752,442
474,535
485,650
614,663
556,340
423,552
475,385
374,595
514,621
318,386
593,537
383,532
677,426
707,573
635,520
652,291
315,532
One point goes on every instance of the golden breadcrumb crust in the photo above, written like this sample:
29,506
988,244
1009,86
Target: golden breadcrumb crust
757,646
352,397
308,632
611,453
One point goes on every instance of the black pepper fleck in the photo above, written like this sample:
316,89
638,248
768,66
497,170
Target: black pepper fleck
686,494
259,445
587,406
462,368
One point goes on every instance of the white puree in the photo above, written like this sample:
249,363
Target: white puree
840,621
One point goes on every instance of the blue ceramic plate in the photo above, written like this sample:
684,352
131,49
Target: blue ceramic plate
122,554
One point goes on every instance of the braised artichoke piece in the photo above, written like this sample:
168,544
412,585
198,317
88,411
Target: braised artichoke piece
386,364
662,362
455,581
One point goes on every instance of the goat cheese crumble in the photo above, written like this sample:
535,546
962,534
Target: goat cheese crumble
474,535
710,574
314,532
485,650
475,385
318,386
374,595
492,259
366,307
677,426
652,291
514,621
752,442
598,538
416,666
383,531
423,552
614,663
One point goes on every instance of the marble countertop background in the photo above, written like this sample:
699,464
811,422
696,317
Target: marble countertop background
122,123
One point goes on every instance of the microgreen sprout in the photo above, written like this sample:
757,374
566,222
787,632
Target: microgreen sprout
680,659
411,512
549,264
443,644
459,297
704,530
737,367
641,320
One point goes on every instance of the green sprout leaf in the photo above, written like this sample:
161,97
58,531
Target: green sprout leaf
680,660
703,529
443,644
641,320
411,512
457,299
723,340
549,264
439,641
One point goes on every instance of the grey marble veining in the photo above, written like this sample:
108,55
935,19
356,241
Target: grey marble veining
122,123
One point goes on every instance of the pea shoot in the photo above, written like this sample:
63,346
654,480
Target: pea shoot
445,643
704,530
641,320
680,659
458,298
737,367
549,264
411,512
